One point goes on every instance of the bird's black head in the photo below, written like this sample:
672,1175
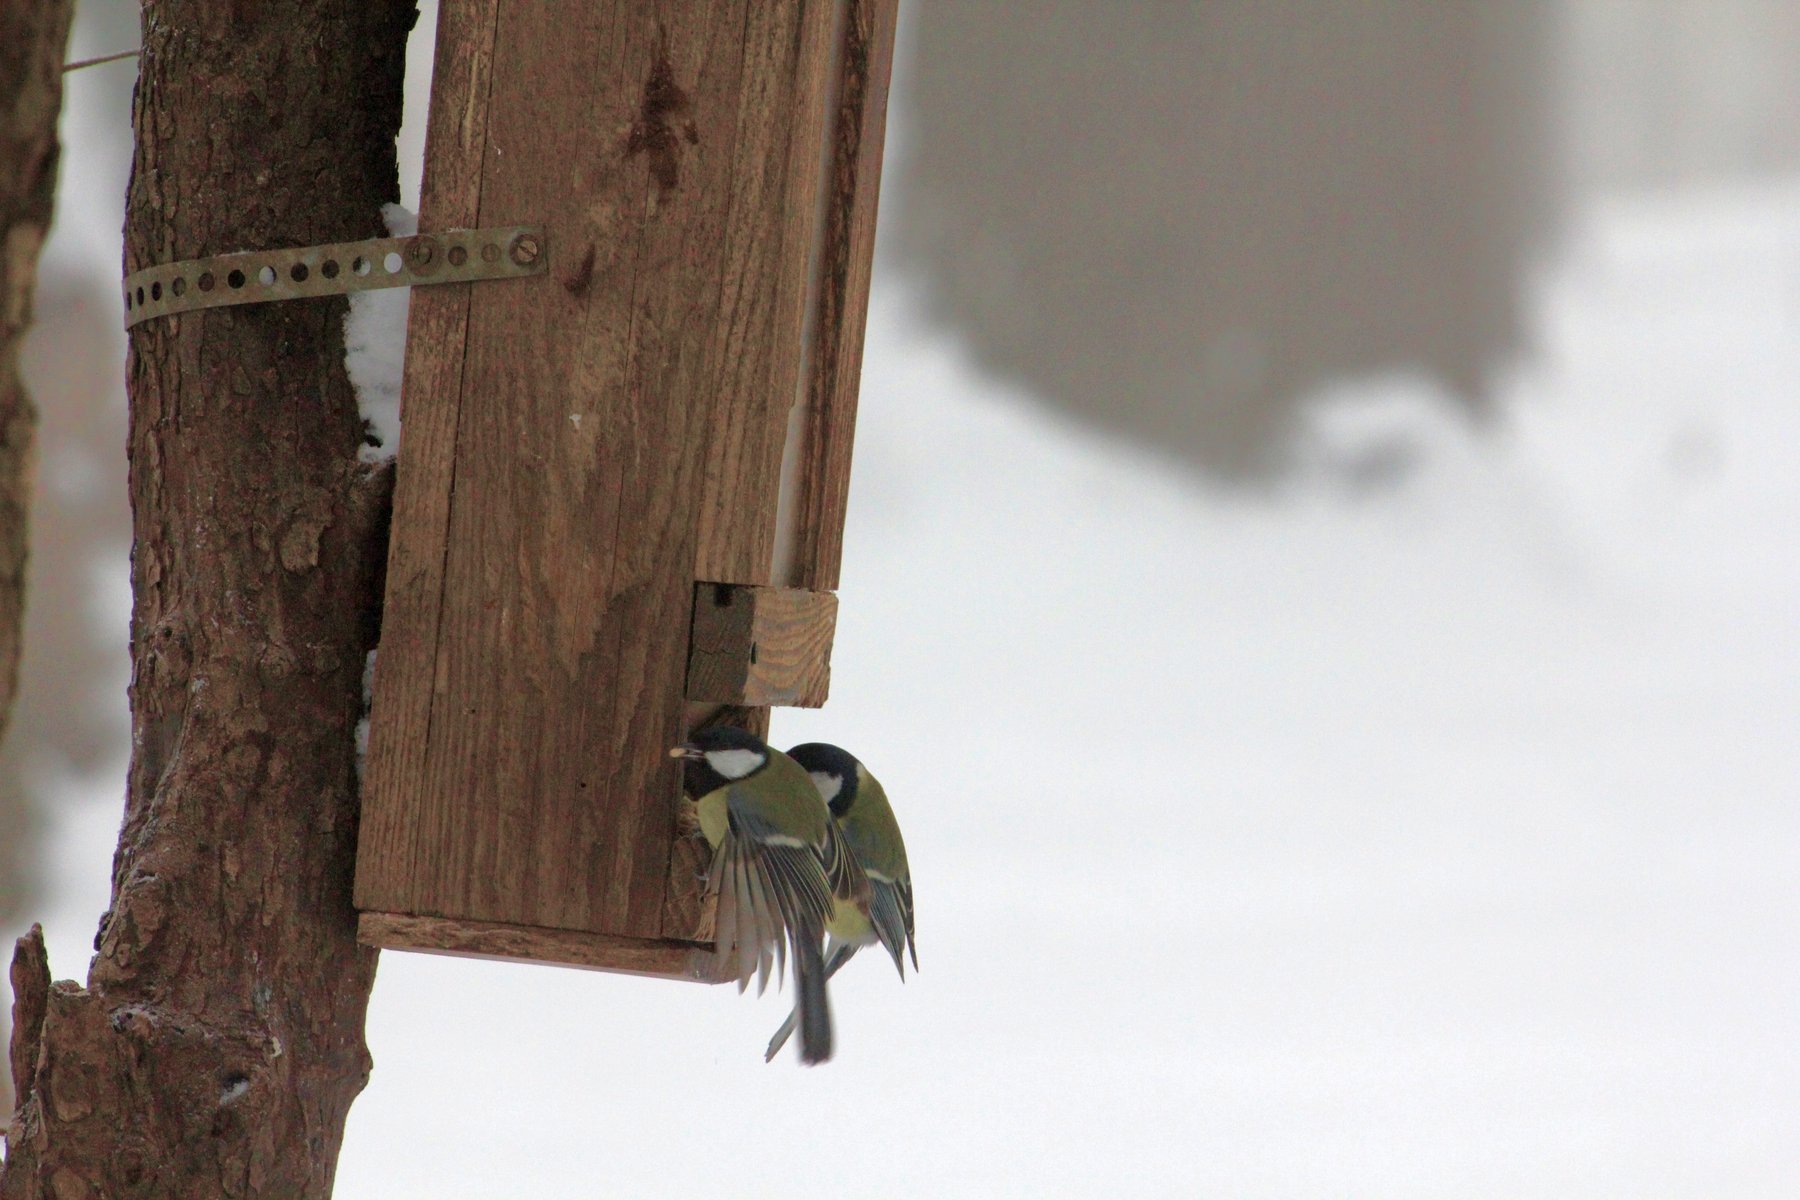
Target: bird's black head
717,756
833,771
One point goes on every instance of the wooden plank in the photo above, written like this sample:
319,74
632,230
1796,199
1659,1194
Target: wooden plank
857,91
776,179
835,371
542,819
492,940
739,500
390,843
523,777
756,646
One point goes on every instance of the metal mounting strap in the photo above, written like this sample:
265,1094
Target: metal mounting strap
256,277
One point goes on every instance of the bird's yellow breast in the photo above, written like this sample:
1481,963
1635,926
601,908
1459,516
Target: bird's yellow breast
849,922
715,816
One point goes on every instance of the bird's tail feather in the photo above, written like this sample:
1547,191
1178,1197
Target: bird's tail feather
840,954
811,1005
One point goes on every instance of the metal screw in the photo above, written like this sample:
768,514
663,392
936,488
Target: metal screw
524,250
422,254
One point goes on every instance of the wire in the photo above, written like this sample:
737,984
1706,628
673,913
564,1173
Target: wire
94,62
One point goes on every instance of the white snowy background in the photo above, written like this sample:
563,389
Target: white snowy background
1437,839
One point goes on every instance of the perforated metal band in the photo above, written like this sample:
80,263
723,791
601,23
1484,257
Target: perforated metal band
261,276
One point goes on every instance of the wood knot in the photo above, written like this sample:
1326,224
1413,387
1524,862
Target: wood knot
583,276
663,123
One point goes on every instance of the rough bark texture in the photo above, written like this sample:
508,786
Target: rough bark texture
32,39
218,1043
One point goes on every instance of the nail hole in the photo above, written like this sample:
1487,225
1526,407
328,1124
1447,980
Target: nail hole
206,281
329,268
359,265
140,297
490,253
179,287
298,273
392,262
458,256
266,276
127,299
235,279
156,291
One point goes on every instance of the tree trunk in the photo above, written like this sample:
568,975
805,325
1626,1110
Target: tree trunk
32,39
219,1042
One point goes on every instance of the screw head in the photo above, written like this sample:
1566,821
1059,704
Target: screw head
422,255
525,249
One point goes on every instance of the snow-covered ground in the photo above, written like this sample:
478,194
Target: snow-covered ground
1420,840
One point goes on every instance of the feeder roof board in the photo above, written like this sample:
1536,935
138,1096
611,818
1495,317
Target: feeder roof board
589,455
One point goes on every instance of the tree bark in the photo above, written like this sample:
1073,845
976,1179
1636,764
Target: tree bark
218,1043
32,41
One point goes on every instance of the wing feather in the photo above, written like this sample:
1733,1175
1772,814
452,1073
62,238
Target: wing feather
769,886
767,930
776,891
887,914
843,873
749,928
903,894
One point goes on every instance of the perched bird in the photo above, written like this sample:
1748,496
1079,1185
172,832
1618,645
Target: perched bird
779,868
859,807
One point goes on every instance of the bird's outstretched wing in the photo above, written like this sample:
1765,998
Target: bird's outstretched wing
769,886
747,929
774,896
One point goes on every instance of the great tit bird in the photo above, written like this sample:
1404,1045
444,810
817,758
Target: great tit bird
779,867
859,807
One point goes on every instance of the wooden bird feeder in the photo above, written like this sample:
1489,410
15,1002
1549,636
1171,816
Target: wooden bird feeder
593,550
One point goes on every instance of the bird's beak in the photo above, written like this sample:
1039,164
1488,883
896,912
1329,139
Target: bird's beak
685,750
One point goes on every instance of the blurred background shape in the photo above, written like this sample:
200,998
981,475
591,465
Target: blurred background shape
1177,220
1665,94
1174,220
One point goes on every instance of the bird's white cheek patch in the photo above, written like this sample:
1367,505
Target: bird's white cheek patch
734,764
829,785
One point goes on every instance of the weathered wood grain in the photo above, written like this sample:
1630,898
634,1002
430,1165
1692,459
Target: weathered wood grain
777,182
393,847
834,373
756,646
861,63
580,444
487,939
